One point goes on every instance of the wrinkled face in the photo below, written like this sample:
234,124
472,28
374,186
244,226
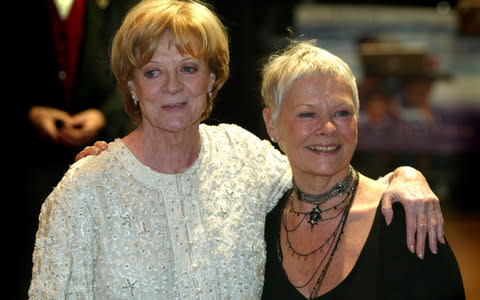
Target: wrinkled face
316,126
171,88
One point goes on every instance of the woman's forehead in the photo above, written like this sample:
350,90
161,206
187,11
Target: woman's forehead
318,83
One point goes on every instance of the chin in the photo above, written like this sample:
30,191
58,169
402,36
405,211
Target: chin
327,169
179,126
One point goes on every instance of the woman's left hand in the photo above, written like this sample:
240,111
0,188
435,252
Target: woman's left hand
422,208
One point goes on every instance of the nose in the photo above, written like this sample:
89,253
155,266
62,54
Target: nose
325,128
173,84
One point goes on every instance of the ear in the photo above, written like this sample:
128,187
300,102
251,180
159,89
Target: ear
270,124
212,81
131,88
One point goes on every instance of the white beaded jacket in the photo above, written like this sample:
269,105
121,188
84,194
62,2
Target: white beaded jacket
115,229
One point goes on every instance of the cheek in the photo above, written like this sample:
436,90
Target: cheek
200,104
195,89
295,135
147,90
349,131
301,131
197,86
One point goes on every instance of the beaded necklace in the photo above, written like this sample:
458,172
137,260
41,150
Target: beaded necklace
336,190
315,215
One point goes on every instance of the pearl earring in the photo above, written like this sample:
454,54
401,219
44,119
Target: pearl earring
135,101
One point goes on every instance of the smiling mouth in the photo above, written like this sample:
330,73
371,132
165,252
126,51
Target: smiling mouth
323,148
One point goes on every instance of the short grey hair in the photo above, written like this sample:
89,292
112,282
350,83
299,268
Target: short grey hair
301,59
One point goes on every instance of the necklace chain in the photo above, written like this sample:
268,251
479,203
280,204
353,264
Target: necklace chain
320,279
317,214
333,240
319,248
336,190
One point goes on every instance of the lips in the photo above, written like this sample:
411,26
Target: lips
327,148
174,107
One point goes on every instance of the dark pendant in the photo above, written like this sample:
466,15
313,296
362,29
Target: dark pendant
340,188
315,216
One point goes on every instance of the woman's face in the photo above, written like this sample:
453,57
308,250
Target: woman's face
316,126
171,88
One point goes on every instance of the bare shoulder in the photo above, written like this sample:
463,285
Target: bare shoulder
369,192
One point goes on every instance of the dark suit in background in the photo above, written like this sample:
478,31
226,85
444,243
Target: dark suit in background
35,80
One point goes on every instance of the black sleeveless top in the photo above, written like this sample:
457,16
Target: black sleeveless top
385,268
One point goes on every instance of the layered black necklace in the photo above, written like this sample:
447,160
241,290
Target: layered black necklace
315,215
347,188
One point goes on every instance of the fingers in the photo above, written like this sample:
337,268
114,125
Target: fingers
97,147
421,232
387,210
427,218
435,225
437,221
69,137
101,144
90,150
49,130
76,137
91,119
439,217
432,228
422,210
411,222
80,155
415,223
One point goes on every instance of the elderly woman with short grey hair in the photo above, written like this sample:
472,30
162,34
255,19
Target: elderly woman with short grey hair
326,238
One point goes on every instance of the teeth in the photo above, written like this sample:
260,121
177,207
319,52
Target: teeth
323,148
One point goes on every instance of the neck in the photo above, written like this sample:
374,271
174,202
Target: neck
319,184
163,151
324,188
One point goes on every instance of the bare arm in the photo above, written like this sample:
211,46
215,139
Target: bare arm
405,185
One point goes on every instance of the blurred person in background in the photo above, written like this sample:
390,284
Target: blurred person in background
64,96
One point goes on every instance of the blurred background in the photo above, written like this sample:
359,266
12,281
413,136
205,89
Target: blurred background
417,65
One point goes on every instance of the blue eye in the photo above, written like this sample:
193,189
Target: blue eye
189,69
306,115
342,113
152,73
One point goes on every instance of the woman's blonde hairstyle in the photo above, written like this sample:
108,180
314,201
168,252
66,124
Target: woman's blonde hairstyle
194,29
301,59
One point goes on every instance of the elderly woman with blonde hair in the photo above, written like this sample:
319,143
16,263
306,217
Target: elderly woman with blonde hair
326,238
175,209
